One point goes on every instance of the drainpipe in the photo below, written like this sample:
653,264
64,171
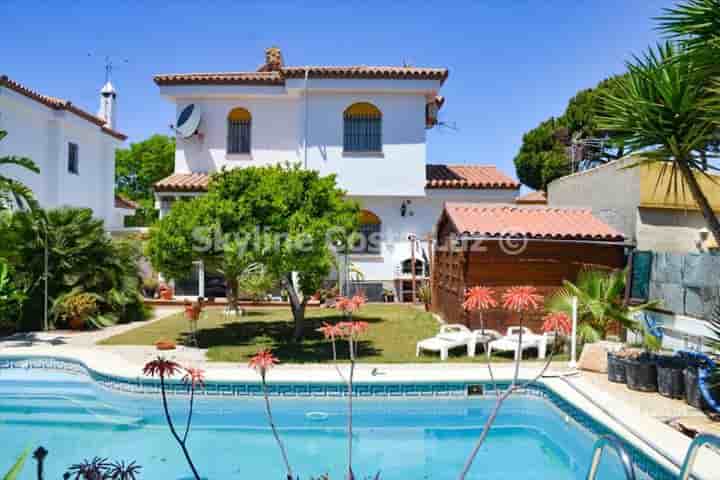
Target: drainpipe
305,127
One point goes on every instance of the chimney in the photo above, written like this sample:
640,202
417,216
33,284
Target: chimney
107,110
273,59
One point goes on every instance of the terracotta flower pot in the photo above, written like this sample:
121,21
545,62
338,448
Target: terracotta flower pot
165,345
77,323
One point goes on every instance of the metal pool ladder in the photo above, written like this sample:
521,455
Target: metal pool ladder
691,456
613,443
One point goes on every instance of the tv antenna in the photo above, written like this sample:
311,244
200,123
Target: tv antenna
110,64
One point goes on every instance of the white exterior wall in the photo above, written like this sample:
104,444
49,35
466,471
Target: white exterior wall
278,130
611,192
43,134
420,219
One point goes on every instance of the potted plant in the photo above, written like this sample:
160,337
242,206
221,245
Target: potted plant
616,366
150,286
388,295
166,292
75,308
424,294
671,376
641,365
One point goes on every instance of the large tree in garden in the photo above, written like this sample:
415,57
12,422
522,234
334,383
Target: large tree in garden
282,217
137,168
543,154
665,107
11,190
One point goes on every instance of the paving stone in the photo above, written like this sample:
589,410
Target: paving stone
667,268
699,302
671,295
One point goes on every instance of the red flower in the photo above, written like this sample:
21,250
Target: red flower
162,367
330,331
557,322
479,298
194,377
353,328
263,361
520,299
350,305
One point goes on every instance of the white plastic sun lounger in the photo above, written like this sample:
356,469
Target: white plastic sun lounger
453,336
510,342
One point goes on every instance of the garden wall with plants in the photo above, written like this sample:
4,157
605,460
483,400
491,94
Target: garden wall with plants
686,284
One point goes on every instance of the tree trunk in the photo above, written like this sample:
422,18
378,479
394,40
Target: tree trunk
232,294
297,306
707,212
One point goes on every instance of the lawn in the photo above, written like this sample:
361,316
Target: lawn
394,331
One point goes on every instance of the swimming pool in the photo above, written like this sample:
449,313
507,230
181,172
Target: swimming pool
535,437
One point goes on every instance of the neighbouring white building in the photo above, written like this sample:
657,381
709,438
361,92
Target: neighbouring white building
368,125
74,149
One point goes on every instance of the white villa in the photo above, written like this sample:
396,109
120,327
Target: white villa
74,149
365,124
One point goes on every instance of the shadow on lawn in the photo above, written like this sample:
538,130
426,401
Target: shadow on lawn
278,336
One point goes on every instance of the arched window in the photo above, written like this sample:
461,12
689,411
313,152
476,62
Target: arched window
362,128
238,131
419,267
370,231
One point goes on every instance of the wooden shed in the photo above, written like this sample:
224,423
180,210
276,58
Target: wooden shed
501,246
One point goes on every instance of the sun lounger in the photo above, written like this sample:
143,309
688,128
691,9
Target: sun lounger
510,342
453,336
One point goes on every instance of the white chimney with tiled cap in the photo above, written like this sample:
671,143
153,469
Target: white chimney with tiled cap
108,97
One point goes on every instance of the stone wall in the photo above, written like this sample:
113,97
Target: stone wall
687,284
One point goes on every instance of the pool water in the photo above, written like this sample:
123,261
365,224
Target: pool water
401,438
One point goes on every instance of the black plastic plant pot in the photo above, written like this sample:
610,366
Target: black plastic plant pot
642,374
693,397
671,377
616,369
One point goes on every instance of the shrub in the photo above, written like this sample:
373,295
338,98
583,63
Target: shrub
12,297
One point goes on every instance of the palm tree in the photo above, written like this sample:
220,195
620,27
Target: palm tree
662,108
13,190
600,303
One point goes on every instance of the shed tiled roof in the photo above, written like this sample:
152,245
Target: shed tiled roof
533,198
438,176
58,104
468,176
183,182
501,221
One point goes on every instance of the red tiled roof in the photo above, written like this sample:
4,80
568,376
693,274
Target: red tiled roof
532,198
467,176
278,77
438,176
499,221
223,78
58,104
183,182
125,203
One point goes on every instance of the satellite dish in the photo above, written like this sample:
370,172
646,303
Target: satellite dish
188,121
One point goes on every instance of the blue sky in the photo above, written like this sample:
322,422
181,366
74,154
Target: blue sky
512,63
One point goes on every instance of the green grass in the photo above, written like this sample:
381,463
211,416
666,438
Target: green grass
394,331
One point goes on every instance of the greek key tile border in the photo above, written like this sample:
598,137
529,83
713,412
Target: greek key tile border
141,385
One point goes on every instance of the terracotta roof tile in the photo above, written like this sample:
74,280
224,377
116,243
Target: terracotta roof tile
365,71
467,176
58,104
222,78
532,198
126,203
484,220
438,176
278,77
183,182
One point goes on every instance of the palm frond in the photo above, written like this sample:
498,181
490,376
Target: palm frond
24,162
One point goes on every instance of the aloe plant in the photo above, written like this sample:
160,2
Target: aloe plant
15,470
